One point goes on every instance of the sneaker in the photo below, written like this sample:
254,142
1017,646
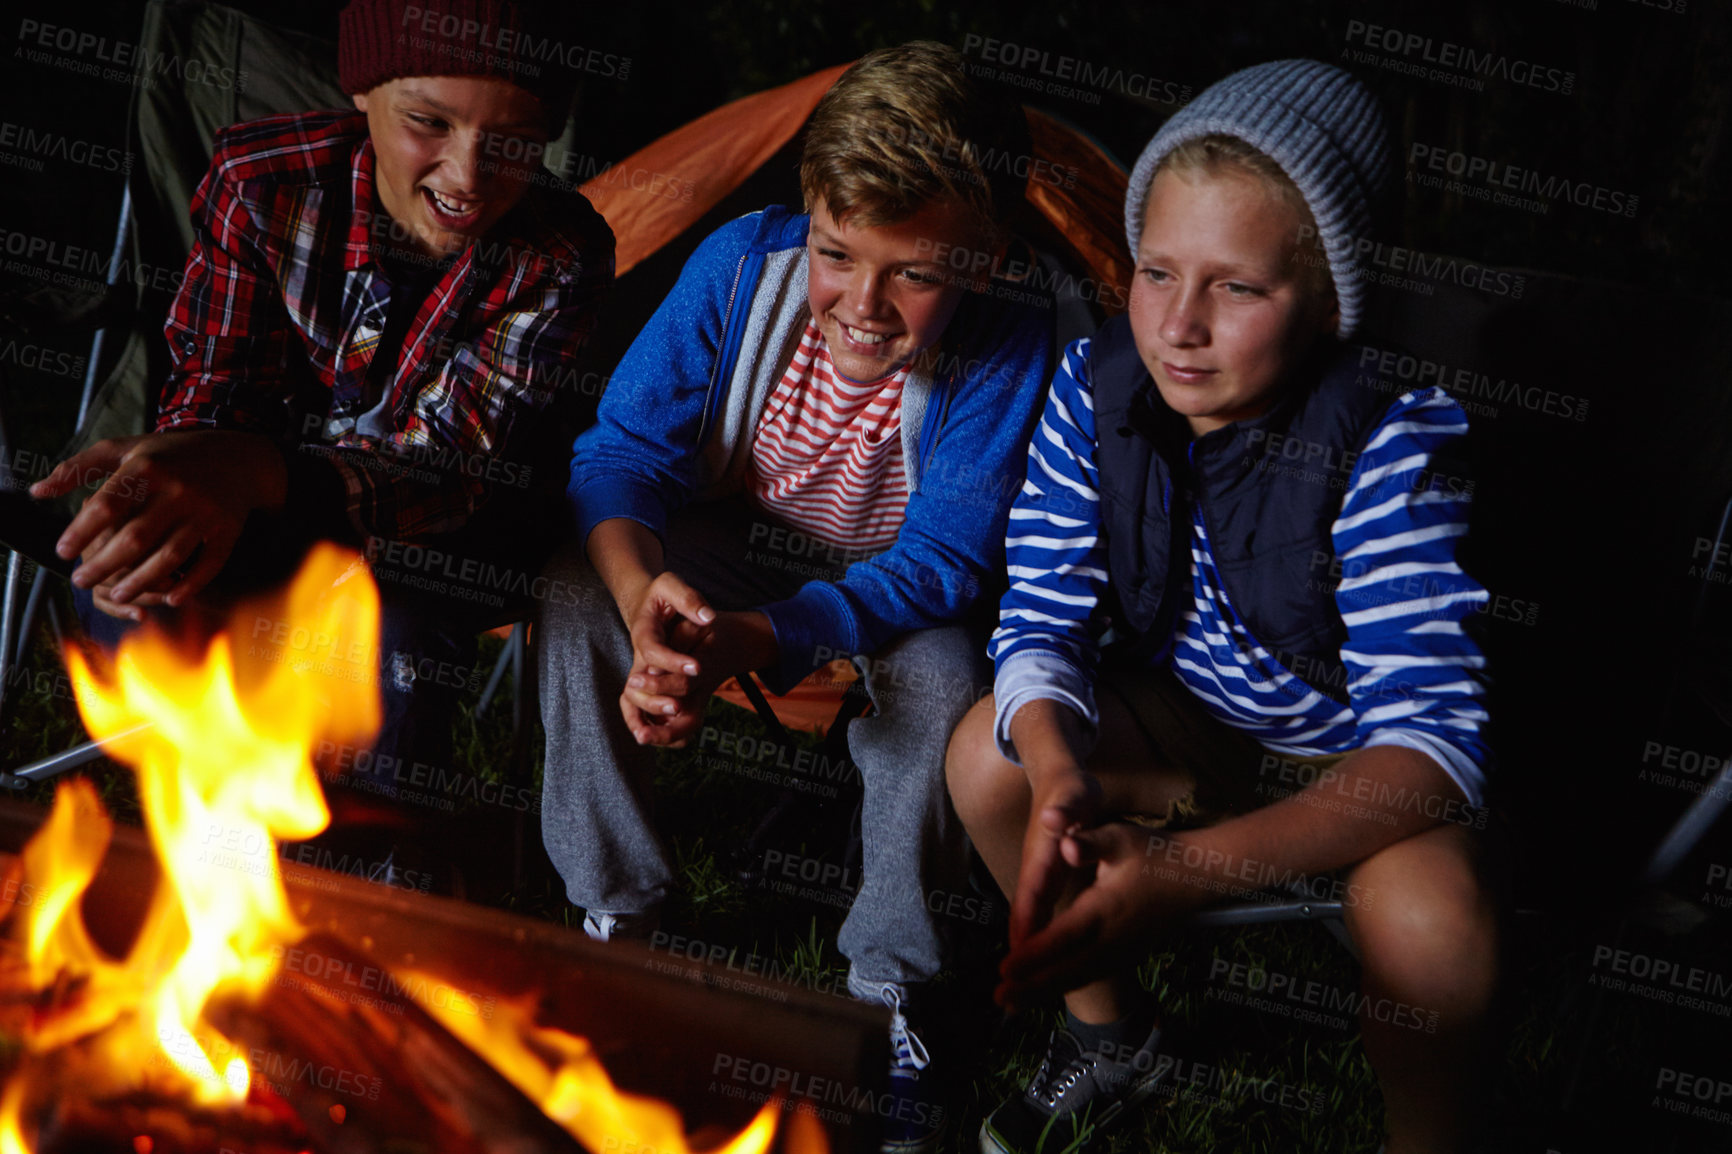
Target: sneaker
602,926
1074,1096
914,1114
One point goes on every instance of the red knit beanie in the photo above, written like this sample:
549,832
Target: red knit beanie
524,41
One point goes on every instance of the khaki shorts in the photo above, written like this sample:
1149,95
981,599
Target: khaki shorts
1232,772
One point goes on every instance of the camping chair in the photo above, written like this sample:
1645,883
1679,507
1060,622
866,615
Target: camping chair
170,127
1686,833
791,807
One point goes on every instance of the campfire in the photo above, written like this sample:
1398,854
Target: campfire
227,1022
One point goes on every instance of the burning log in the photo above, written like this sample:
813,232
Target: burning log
209,985
67,1112
658,1019
367,1074
139,1125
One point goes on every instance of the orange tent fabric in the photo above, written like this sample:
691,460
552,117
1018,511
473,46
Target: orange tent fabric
1090,212
713,155
643,197
810,706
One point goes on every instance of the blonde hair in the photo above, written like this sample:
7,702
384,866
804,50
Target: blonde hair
907,126
1219,153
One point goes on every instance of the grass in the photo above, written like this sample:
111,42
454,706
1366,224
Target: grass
1268,1082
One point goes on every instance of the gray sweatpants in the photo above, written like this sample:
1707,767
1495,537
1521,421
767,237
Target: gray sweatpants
597,814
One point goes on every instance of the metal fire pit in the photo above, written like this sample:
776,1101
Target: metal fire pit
712,1042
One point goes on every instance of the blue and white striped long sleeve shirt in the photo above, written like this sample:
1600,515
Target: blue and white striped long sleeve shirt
1415,678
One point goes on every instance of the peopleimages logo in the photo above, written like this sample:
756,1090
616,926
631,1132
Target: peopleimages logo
27,355
1496,181
1068,76
44,259
478,41
37,144
1661,979
744,1071
96,56
1449,62
1475,391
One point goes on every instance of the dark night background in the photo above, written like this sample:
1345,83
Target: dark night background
1649,113
1598,523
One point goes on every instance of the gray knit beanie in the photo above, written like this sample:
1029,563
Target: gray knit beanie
1325,130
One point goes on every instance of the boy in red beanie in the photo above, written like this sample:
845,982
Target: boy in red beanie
379,306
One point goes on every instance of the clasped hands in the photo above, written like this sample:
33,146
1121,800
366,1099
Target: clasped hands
1090,896
682,649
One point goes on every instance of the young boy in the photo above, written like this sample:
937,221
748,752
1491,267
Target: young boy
1272,544
823,379
378,307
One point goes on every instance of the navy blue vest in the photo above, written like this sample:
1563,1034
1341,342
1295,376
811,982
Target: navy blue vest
1270,489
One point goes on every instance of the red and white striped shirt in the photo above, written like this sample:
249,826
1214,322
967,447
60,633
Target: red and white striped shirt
827,457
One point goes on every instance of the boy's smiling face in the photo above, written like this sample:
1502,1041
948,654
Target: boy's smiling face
877,293
1221,307
453,154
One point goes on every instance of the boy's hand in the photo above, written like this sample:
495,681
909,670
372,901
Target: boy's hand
731,644
663,707
664,704
169,510
1099,933
1066,800
666,621
132,611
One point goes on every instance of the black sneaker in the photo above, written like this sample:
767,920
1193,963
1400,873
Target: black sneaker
1074,1096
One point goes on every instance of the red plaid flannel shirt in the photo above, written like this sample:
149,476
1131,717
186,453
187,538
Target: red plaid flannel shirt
283,303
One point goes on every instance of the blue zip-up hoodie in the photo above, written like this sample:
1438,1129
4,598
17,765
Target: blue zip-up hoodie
677,419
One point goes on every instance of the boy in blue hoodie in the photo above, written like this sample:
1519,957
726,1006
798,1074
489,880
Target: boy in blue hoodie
825,379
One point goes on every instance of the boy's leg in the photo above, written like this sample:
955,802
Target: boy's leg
1102,1062
597,787
426,662
991,795
597,812
921,685
437,594
1428,942
1428,936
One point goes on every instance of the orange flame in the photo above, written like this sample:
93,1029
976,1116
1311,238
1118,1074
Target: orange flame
224,770
223,749
560,1073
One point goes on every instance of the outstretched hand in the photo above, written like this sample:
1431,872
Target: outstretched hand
169,511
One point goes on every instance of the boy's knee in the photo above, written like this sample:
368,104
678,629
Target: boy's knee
933,676
969,745
1436,939
983,784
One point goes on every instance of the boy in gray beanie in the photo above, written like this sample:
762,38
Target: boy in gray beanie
1291,700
